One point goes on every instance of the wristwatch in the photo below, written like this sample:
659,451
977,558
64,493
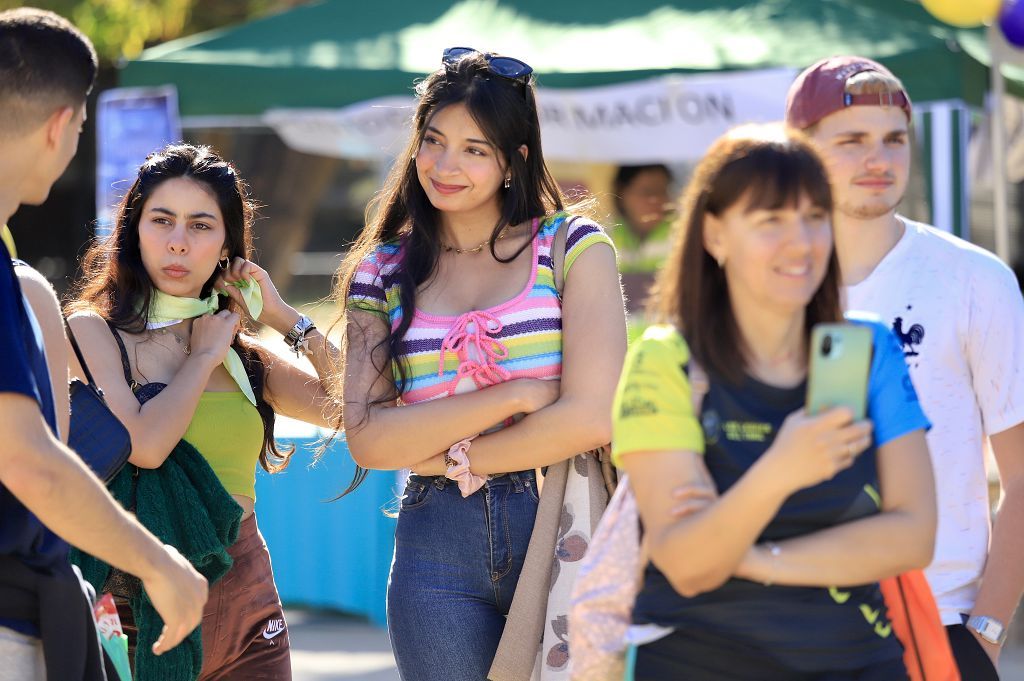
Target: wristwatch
296,337
989,628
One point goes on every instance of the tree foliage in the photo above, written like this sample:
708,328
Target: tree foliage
121,29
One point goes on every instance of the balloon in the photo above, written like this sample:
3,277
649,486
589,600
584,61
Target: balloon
964,13
1011,20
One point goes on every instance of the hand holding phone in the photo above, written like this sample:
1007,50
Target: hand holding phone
839,366
816,443
811,449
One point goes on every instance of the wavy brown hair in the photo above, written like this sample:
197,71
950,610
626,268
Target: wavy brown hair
115,285
506,111
766,167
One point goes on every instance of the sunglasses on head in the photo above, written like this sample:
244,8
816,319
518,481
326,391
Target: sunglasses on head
506,67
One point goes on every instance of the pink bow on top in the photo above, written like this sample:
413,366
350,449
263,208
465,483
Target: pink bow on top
470,339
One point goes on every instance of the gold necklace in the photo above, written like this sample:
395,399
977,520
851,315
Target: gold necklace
476,249
185,346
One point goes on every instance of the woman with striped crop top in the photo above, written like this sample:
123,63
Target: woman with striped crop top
454,317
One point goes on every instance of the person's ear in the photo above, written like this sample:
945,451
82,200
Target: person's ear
714,239
57,124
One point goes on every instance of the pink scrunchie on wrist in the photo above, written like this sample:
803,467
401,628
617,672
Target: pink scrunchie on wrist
457,460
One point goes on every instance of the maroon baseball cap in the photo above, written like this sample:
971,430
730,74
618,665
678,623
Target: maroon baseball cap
821,90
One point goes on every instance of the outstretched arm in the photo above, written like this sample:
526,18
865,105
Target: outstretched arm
43,475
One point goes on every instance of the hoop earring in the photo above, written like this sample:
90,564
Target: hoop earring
508,181
224,262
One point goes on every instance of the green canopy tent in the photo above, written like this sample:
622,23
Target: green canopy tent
336,53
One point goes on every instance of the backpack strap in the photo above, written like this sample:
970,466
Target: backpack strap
558,253
699,385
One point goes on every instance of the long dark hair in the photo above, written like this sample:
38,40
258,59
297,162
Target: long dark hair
114,282
506,111
768,167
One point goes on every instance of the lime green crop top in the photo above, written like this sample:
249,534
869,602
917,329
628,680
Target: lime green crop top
228,432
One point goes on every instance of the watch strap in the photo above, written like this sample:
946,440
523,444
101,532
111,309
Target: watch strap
296,336
989,628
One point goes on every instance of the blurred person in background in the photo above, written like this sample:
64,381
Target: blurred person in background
641,234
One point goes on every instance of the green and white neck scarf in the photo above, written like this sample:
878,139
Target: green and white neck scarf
167,310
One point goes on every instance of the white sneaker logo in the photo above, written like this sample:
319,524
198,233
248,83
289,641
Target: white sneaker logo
274,627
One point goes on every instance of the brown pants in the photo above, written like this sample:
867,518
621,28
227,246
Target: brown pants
244,633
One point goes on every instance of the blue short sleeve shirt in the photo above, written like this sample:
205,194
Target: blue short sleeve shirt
23,370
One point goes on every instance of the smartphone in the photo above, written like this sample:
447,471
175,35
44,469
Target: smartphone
839,367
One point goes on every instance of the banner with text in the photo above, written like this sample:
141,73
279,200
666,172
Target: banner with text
669,118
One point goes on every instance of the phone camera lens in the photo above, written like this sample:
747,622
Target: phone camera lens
826,345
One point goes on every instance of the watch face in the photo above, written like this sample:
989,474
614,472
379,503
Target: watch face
988,628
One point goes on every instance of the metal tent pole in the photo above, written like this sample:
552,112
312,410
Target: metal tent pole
999,182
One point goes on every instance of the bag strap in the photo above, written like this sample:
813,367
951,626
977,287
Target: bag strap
558,253
78,352
126,366
918,649
699,385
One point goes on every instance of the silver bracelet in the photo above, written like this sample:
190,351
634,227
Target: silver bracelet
296,337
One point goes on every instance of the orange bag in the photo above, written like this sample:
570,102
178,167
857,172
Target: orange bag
915,619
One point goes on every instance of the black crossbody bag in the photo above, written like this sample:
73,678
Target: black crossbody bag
96,434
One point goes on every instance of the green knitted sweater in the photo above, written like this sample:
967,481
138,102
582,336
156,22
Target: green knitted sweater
184,504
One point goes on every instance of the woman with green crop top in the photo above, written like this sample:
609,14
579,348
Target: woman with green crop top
158,315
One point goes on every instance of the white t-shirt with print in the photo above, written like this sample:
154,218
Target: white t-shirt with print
958,313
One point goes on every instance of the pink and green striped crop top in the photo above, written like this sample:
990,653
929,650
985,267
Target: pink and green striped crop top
447,355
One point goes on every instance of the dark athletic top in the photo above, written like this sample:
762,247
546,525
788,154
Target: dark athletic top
805,628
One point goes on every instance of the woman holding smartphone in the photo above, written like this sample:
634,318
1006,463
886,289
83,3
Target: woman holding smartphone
768,528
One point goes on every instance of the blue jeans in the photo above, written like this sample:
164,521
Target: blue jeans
456,565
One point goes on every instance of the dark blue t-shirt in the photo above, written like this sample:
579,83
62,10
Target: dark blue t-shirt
807,629
23,370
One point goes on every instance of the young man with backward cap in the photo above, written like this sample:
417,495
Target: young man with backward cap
47,495
957,311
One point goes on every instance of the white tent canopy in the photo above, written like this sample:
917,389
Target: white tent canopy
668,119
